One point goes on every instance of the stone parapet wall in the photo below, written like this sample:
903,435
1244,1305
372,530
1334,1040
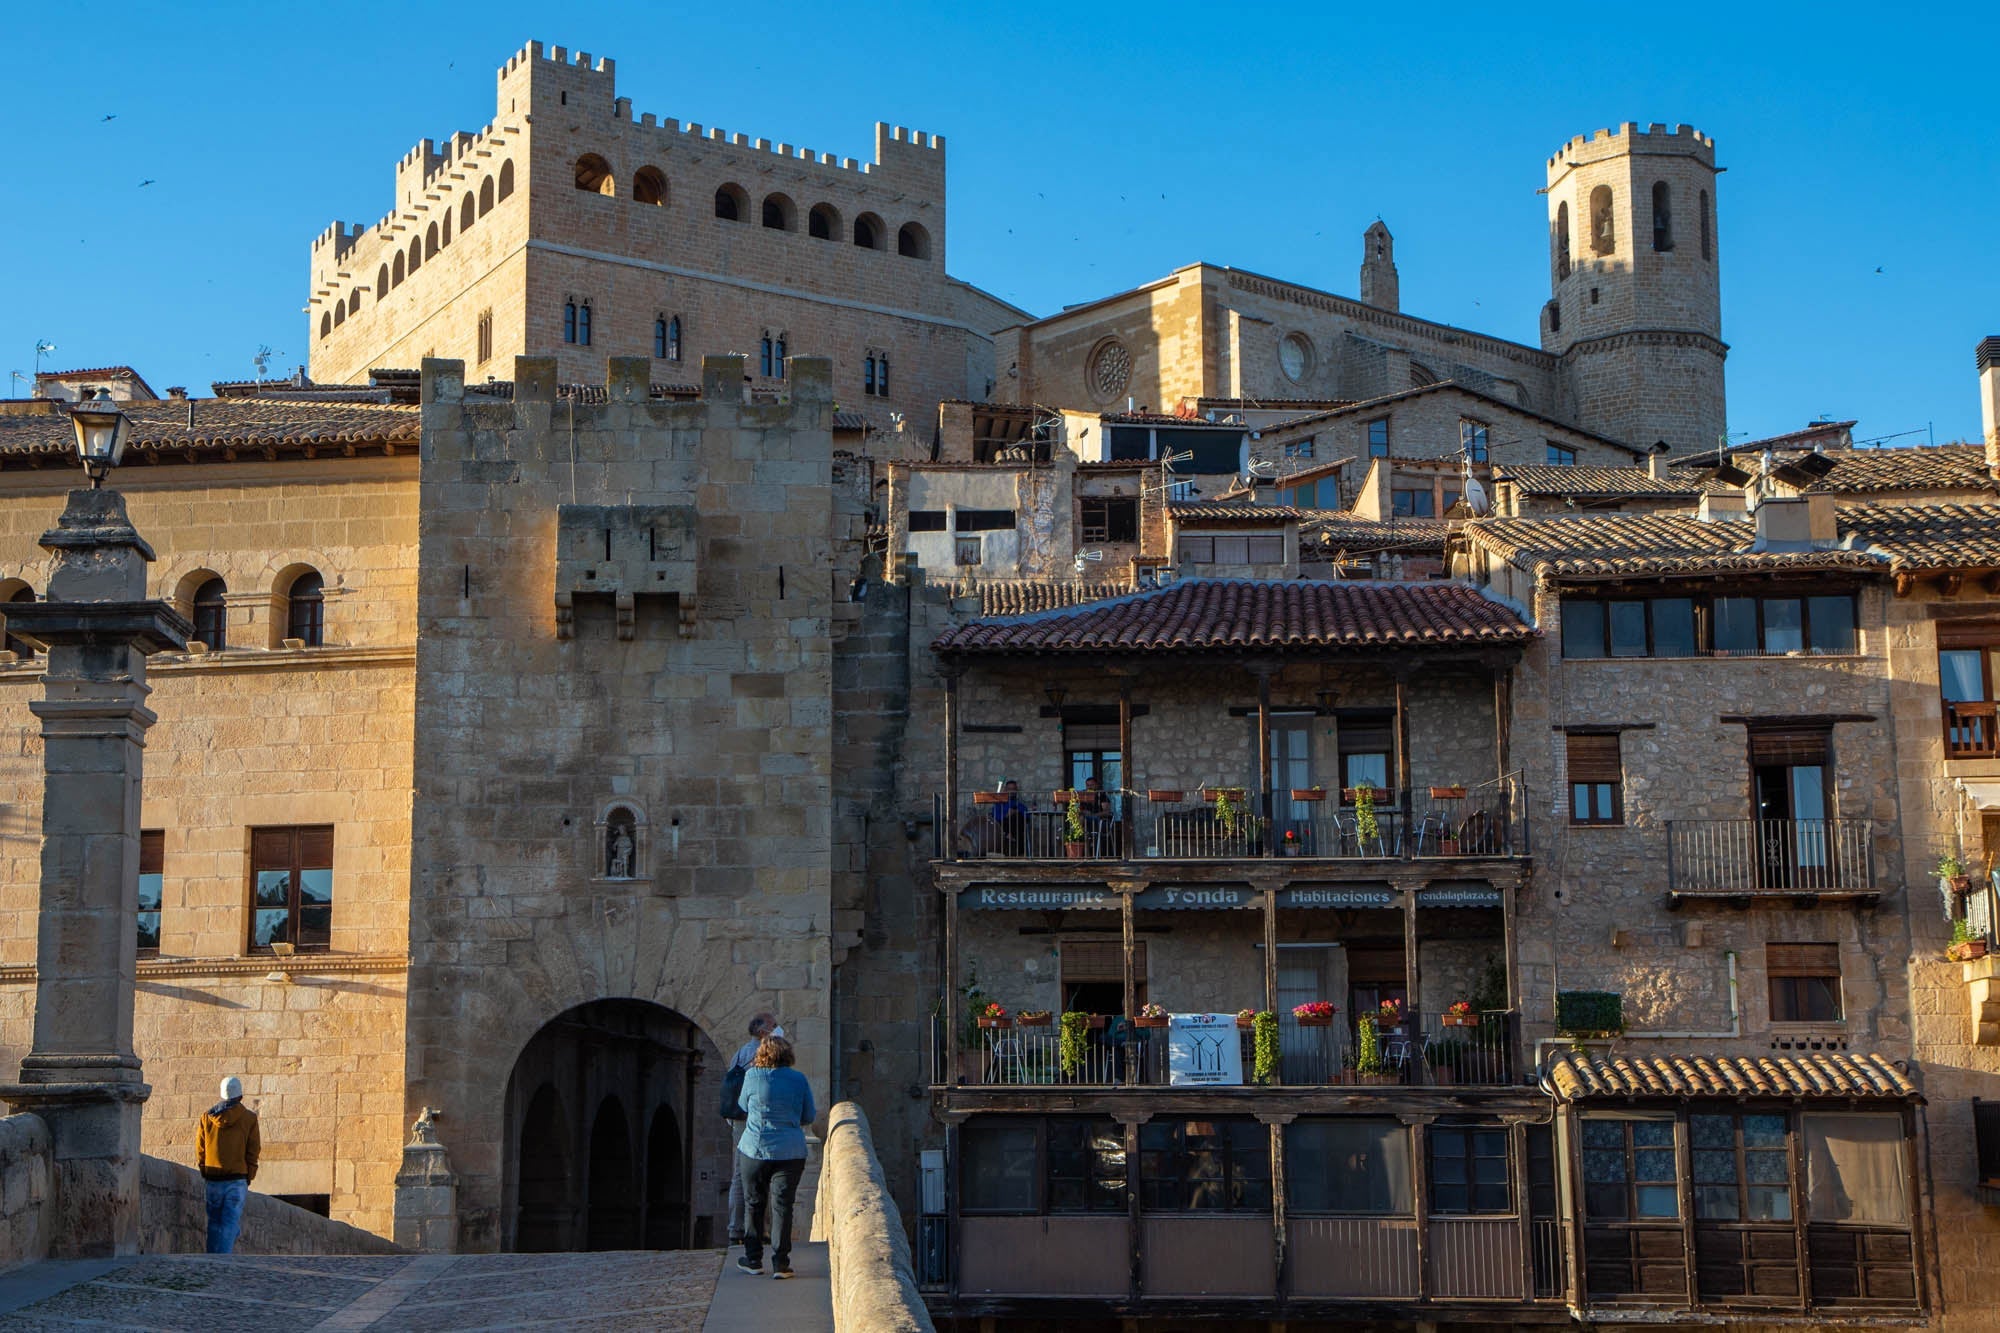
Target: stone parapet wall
25,1197
868,1256
173,1219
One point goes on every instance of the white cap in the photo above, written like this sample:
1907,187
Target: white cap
232,1087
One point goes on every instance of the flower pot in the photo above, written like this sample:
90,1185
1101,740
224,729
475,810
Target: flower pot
1967,950
1441,1076
1142,1021
1314,1020
1097,1021
1454,793
1073,850
1460,1020
1063,797
1029,1022
1959,883
1447,846
1288,848
1355,1076
996,1022
1309,793
989,798
1351,795
1247,1024
1165,795
1235,794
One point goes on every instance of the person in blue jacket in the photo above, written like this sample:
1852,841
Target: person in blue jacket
771,1155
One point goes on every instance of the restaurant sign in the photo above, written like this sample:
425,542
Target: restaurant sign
1182,898
995,898
1458,897
1336,898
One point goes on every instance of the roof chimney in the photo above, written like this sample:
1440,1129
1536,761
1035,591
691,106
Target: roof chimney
1987,356
1796,523
1656,462
177,391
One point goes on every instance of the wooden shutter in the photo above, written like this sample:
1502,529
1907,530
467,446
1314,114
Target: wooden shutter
152,852
316,848
1594,758
271,849
1376,966
1802,960
1788,747
1100,960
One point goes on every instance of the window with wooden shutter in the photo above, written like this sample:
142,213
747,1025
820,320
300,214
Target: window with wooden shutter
291,887
1596,779
152,867
1804,982
1788,747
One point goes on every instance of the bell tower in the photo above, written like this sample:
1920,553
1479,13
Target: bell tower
1635,310
1378,268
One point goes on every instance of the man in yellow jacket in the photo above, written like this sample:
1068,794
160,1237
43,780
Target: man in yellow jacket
228,1148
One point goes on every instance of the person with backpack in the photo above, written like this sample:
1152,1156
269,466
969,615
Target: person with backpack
771,1156
762,1026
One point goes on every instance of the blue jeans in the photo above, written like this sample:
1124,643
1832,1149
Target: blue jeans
225,1213
768,1188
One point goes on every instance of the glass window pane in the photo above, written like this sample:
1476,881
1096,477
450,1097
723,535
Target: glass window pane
1653,1164
268,926
1653,1134
1603,1166
1764,1131
1784,625
1605,1201
1768,1204
315,927
1769,1167
1832,624
1854,1169
274,888
316,886
1673,627
1712,1131
1715,1203
1735,625
1628,629
1604,1134
1348,1166
149,930
1658,1201
999,1171
1579,801
149,892
1959,675
1448,1170
1715,1168
1582,628
1600,799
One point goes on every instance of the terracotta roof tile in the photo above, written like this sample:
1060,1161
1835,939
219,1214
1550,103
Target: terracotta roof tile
1582,545
1820,1074
1222,614
1338,528
1947,467
1594,482
1935,536
1229,511
1014,597
582,393
235,422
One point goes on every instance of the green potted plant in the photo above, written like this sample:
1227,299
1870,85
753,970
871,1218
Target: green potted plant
1367,828
1951,869
1034,1018
1151,1015
1074,833
1369,1067
1264,1048
1073,1046
1228,809
1966,943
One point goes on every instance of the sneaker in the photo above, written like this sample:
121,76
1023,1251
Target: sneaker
779,1270
751,1265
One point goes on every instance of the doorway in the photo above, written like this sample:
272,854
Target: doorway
1788,782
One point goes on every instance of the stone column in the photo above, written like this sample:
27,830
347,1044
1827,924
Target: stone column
81,1075
426,1192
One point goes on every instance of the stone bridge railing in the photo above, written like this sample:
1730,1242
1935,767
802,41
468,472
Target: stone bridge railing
173,1219
868,1256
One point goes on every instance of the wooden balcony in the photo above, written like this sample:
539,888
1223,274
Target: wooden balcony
1808,861
1969,731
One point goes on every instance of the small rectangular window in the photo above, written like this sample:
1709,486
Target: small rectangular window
1735,631
1472,439
998,1166
965,550
1582,628
152,879
1349,1166
1267,550
291,887
1468,1169
1784,625
1109,519
1804,982
1673,627
1378,438
1086,1167
1561,457
1232,550
1198,550
927,520
1300,448
1204,1166
1855,1169
1629,1173
1413,503
1596,778
1832,623
1628,629
985,520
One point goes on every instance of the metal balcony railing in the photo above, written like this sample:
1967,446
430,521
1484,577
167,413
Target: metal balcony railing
1770,855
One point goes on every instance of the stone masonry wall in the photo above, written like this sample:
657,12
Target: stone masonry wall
26,1171
712,722
173,1219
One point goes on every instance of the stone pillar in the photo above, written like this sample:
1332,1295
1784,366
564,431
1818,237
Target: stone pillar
426,1192
81,1075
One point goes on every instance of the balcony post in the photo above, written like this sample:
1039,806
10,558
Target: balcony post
1402,740
1503,723
1266,807
1270,896
1127,798
1279,1201
951,765
1412,973
1508,948
951,996
1131,982
1419,1124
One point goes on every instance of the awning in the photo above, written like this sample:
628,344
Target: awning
1821,1074
1983,795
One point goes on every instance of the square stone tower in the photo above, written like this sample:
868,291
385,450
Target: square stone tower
1634,271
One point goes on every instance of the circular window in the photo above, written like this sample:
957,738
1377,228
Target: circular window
1110,370
1295,357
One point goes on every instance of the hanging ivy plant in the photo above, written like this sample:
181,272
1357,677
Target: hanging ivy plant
1228,815
1366,828
1264,1066
1367,1048
1074,1044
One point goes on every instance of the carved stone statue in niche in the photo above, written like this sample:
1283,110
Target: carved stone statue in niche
620,858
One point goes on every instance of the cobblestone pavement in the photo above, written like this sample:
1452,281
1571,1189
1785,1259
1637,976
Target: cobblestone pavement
666,1291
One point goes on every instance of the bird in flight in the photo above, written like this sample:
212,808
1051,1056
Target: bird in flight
144,183
1878,268
112,116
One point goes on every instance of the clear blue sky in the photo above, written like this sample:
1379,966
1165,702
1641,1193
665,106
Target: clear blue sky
1091,148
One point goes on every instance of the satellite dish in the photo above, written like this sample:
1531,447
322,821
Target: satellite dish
1475,497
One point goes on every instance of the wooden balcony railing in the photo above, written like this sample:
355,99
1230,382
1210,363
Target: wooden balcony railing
1969,729
1762,856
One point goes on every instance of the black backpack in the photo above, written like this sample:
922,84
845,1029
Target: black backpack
732,1093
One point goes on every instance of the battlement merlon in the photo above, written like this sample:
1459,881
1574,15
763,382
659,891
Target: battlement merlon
1628,140
413,172
900,149
538,78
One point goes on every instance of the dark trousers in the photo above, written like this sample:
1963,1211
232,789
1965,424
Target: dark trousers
775,1183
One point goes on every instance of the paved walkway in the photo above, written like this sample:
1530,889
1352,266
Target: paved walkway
677,1291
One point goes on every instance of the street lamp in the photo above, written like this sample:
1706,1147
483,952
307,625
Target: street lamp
100,435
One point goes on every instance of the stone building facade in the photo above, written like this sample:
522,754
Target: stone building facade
566,227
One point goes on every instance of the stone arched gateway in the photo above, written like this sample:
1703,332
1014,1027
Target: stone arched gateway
607,1146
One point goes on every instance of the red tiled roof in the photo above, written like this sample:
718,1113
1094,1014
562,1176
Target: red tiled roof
1196,615
1820,1074
91,371
1590,545
220,423
1944,467
1229,511
1927,537
1593,482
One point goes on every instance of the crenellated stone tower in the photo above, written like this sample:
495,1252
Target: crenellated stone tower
1634,262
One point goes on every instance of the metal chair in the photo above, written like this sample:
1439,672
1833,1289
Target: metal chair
1432,830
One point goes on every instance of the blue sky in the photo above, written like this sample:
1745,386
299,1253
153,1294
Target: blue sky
1091,148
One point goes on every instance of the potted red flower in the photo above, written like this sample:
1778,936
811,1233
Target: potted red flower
1152,1016
1314,1014
1460,1015
1165,795
1389,1014
1246,1018
1291,845
994,1015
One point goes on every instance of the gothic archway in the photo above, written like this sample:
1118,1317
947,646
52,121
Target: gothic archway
608,1145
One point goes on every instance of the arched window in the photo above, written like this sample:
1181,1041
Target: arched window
779,214
416,253
381,282
211,615
913,241
444,237
430,240
569,321
339,313
674,338
396,272
875,375
764,346
659,338
779,370
649,186
869,233
1603,227
486,196
354,302
507,178
21,648
823,223
583,325
732,204
1706,243
1663,217
466,214
325,323
1562,240
485,347
593,176
305,609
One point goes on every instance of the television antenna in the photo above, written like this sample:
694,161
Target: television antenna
42,348
1091,556
262,360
